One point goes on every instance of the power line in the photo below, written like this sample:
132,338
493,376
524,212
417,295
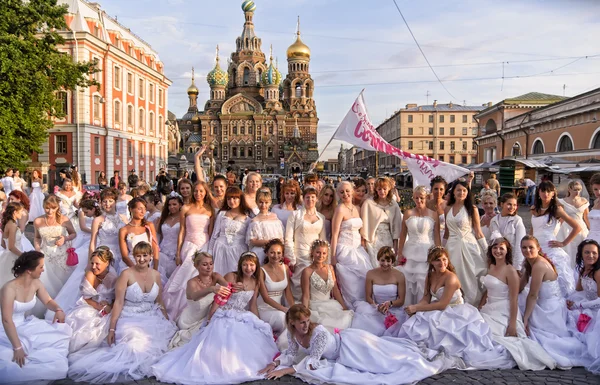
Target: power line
423,53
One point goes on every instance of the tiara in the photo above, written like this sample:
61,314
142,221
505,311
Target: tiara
174,194
252,253
319,242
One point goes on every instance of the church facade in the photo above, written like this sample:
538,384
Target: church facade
255,118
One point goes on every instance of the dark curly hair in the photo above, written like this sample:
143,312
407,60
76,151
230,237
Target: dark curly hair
438,179
27,261
268,245
579,258
7,214
22,197
546,186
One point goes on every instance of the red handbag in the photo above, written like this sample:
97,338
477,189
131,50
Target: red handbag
72,258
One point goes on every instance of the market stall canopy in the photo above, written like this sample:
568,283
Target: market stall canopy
530,163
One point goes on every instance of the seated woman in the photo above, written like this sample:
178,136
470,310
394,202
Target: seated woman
545,315
275,284
234,345
318,285
351,356
88,318
264,226
442,321
499,308
143,331
31,349
200,292
385,288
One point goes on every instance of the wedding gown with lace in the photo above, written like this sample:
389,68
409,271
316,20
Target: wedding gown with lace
228,242
326,310
577,214
141,338
231,349
263,230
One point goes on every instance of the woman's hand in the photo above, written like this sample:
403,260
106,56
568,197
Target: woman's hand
19,356
384,307
526,324
223,291
110,339
570,305
268,369
237,286
276,374
178,261
556,244
410,309
60,241
511,331
59,316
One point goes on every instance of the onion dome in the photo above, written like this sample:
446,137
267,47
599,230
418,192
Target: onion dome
272,76
192,89
217,77
248,6
298,50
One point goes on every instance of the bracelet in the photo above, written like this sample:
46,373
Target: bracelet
391,303
19,348
111,330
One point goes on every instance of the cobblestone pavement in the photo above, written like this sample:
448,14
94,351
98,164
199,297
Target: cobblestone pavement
577,376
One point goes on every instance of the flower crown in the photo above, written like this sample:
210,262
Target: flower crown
319,242
174,194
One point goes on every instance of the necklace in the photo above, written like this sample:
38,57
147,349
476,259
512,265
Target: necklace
47,223
134,224
204,284
350,208
314,212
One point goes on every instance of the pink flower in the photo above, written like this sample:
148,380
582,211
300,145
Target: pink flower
336,331
402,261
390,320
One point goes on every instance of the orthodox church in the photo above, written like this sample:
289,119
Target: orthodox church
254,117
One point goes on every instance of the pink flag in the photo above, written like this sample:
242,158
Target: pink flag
357,129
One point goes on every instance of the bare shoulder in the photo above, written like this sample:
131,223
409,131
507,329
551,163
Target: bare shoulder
398,274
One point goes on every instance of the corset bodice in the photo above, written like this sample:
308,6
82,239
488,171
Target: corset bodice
384,293
594,219
196,228
543,230
459,225
457,298
320,289
590,288
136,301
122,208
168,245
233,230
275,289
20,308
108,233
349,235
53,253
238,301
134,239
420,229
550,290
496,289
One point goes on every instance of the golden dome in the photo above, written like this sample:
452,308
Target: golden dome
192,89
298,49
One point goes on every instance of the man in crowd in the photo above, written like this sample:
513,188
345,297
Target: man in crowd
530,192
494,184
114,181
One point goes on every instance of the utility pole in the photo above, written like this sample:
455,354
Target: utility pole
427,94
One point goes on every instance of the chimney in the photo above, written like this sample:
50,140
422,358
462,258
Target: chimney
490,104
434,103
411,105
450,104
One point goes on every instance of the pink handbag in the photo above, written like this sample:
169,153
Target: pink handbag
583,322
221,300
72,258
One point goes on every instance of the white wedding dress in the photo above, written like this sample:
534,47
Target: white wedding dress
353,262
231,349
45,344
123,209
228,242
367,317
577,214
465,254
458,330
419,240
511,228
90,327
36,201
355,356
275,318
263,230
545,232
191,320
326,310
142,337
7,259
594,219
168,250
528,354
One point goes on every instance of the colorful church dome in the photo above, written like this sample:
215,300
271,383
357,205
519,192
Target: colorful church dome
248,6
298,49
272,76
217,77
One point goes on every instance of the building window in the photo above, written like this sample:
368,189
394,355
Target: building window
463,159
452,146
441,145
151,121
249,130
117,147
130,83
465,119
96,107
117,41
430,118
473,145
441,158
452,118
474,132
464,146
151,92
441,118
410,131
596,142
270,151
452,132
160,97
431,144
538,147
117,77
141,149
234,152
410,118
129,149
60,146
441,130
96,145
464,131
250,152
234,131
410,145
452,159
243,130
160,125
565,144
430,130
130,115
117,111
141,89
62,97
242,152
142,122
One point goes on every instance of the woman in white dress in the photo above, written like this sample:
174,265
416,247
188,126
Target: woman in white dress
275,286
11,240
153,213
326,205
89,318
500,310
88,210
200,292
304,226
234,329
122,201
319,285
350,260
442,321
489,202
291,196
545,313
195,228
228,240
31,349
351,356
53,234
465,241
545,215
69,200
253,184
594,214
422,228
21,197
576,207
384,289
36,198
167,230
437,203
264,226
139,330
510,226
136,230
382,220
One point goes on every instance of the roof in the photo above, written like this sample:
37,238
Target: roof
531,163
194,138
533,97
443,108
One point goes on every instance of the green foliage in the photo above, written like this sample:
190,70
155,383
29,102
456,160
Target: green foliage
31,71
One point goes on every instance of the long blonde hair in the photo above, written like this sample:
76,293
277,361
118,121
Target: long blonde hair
54,202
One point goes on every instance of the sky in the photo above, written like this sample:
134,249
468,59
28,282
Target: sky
482,51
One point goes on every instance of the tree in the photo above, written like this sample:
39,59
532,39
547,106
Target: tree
32,70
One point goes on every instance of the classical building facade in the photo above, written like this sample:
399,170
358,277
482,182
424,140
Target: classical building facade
254,117
120,125
535,126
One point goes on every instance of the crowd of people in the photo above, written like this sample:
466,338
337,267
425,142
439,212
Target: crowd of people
328,282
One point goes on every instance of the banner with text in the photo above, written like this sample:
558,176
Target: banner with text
356,128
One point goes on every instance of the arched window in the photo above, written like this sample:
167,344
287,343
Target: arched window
307,91
259,77
538,147
242,152
298,91
596,142
565,144
233,76
490,126
246,76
